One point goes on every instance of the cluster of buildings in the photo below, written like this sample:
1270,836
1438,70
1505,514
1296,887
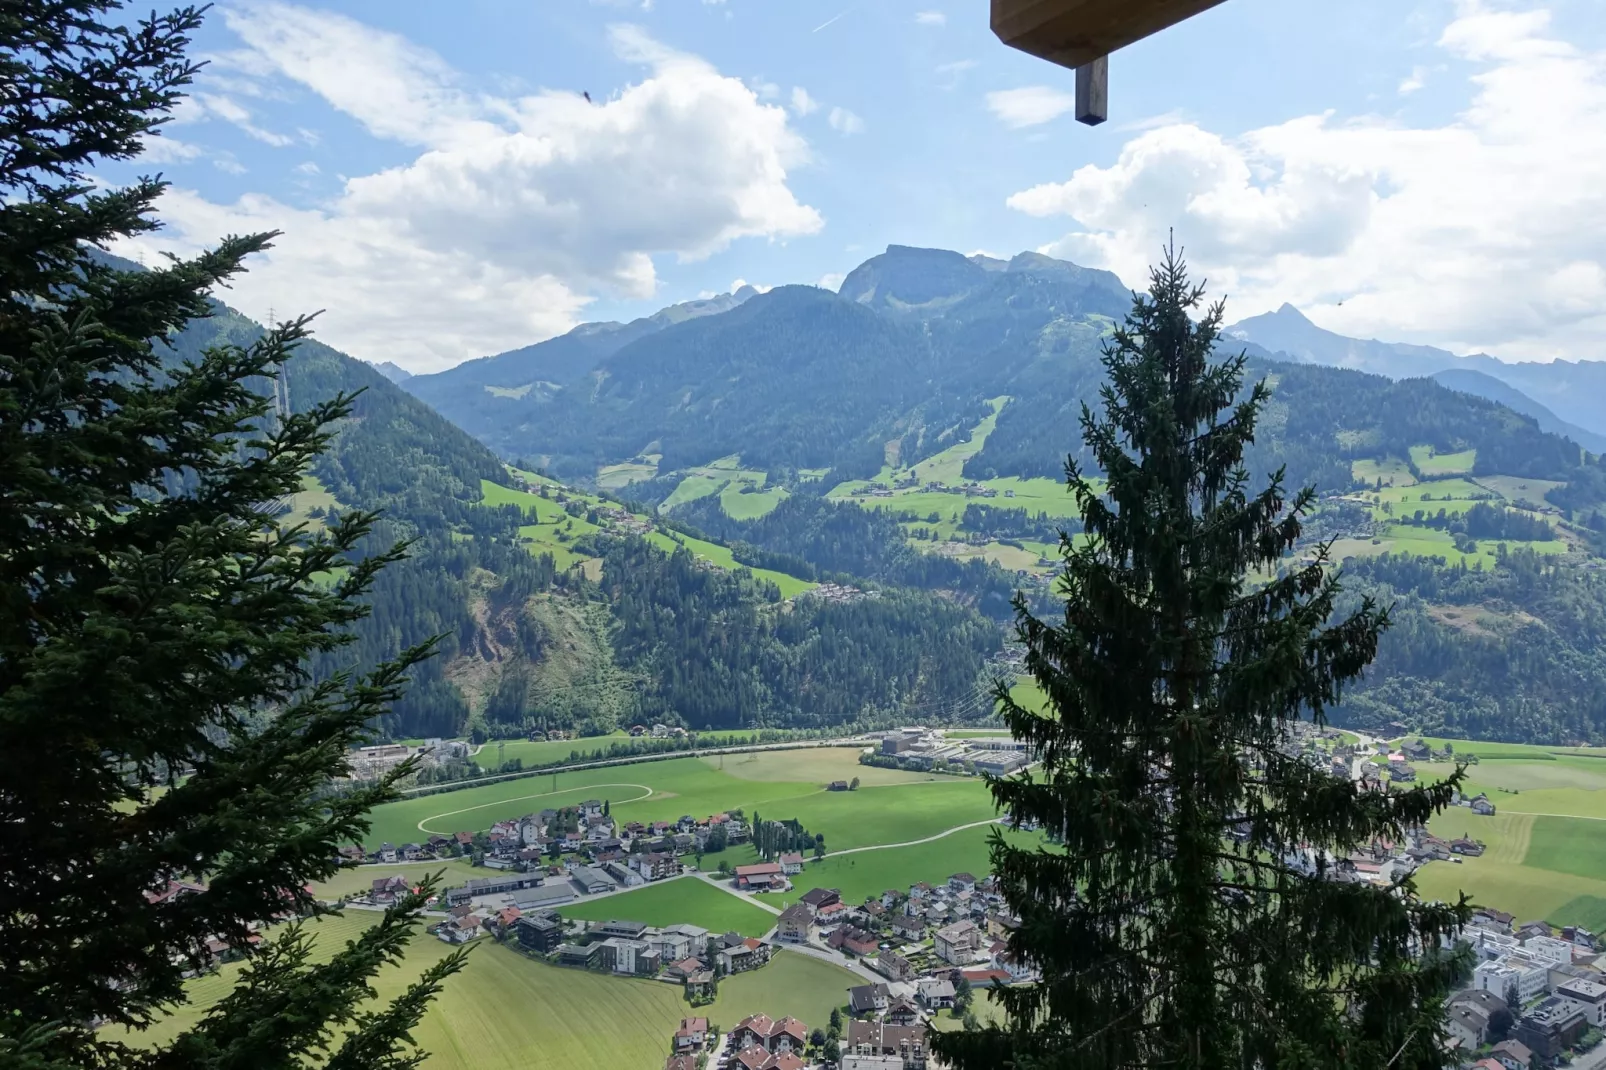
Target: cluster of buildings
923,749
839,592
686,955
371,763
946,931
1544,989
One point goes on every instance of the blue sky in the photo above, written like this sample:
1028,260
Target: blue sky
1431,172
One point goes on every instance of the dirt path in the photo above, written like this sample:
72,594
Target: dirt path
541,795
915,843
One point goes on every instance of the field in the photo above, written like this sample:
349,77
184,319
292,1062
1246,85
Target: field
1431,464
505,1011
909,808
790,586
686,899
742,494
1392,471
867,873
1545,853
812,766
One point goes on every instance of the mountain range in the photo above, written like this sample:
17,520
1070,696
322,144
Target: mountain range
1563,396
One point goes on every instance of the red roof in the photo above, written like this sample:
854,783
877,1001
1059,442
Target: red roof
761,869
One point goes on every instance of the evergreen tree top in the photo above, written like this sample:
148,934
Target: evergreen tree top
1190,908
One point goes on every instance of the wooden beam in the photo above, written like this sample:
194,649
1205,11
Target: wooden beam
1093,91
1076,32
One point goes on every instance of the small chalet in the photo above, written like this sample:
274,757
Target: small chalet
792,863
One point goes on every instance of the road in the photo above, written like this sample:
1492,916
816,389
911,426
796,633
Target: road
913,843
723,884
833,957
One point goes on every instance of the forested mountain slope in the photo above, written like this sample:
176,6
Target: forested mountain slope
913,428
622,629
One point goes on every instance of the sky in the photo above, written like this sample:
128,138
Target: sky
1430,172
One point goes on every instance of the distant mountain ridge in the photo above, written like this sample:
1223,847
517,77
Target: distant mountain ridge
1562,394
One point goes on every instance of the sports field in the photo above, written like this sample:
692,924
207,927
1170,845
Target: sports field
867,873
507,1012
688,899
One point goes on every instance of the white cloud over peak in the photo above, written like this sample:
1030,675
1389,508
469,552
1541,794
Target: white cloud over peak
1488,232
513,209
844,121
930,18
1030,105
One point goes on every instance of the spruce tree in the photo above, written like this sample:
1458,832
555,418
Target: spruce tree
166,762
1171,913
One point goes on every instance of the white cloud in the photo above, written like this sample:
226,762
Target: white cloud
831,280
844,121
1488,232
802,103
1030,105
737,284
514,208
931,18
1414,81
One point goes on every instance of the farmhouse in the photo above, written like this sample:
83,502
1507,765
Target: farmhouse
792,863
760,1031
760,877
868,999
818,898
692,1035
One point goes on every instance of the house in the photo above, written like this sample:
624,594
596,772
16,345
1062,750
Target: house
815,898
1513,1055
795,925
1417,750
655,866
761,877
681,1062
700,984
627,956
623,930
541,933
389,889
1481,805
1466,846
902,1012
591,808
760,1031
921,891
791,863
908,928
895,966
750,954
868,999
759,1059
459,930
962,882
936,994
837,785
387,852
626,878
692,1035
890,897
502,921
906,1042
852,940
956,944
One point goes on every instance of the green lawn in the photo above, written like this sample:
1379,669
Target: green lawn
873,872
688,900
1430,463
740,504
507,1012
614,476
1568,845
666,789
